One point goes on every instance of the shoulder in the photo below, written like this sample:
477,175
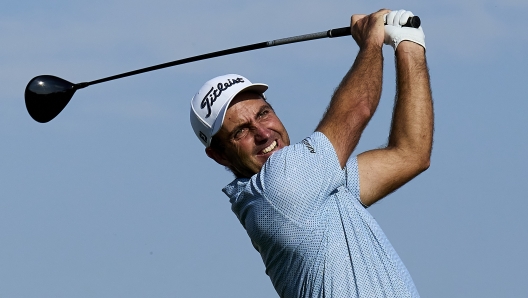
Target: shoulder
311,152
304,169
314,148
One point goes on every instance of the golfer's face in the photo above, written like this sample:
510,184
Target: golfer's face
252,133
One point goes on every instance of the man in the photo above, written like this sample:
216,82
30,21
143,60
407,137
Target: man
302,204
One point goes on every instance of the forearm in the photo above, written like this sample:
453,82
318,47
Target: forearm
354,102
362,84
412,123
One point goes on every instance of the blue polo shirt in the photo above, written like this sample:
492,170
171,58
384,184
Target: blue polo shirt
303,214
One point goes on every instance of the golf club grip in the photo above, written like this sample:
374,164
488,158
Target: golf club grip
414,22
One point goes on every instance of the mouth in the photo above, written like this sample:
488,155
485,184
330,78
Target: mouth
270,147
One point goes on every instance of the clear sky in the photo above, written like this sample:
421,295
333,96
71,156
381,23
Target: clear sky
116,197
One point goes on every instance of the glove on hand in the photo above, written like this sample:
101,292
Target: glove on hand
395,33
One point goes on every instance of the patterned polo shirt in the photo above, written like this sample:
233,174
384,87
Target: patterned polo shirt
303,214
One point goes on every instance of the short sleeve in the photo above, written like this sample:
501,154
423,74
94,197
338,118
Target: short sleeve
352,178
297,179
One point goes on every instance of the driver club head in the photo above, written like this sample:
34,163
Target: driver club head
46,96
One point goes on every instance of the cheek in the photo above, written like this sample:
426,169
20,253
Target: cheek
246,148
277,124
241,149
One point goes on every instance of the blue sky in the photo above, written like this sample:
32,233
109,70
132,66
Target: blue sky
116,198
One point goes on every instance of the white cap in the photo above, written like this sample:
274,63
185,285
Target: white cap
209,105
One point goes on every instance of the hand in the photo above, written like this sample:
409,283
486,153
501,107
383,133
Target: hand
369,29
395,33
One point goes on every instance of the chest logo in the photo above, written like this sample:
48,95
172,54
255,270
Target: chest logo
308,145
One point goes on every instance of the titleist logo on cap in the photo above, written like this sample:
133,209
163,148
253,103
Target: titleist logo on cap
213,94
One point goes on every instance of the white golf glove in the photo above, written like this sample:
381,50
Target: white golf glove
395,33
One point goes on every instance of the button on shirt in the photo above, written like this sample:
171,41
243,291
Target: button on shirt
303,214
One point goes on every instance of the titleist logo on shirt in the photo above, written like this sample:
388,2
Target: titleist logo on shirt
214,93
308,145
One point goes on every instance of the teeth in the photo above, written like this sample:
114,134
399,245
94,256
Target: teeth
270,147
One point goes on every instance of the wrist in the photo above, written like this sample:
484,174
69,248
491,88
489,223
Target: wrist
410,47
371,46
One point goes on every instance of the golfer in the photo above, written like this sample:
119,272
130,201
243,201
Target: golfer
304,205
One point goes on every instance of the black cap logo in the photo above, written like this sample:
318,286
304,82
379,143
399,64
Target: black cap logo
213,94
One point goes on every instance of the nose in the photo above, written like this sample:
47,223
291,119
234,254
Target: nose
261,134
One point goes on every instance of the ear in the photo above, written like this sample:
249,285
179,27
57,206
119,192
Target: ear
219,157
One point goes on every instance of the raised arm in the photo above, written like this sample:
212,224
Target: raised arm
410,142
357,96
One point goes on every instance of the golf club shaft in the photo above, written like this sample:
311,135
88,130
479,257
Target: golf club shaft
330,33
338,32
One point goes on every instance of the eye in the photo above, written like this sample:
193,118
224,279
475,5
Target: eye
263,113
240,133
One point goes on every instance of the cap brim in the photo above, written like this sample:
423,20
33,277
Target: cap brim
260,88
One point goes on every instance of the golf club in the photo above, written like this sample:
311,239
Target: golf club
47,95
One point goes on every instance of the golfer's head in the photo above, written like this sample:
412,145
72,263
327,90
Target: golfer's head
239,128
